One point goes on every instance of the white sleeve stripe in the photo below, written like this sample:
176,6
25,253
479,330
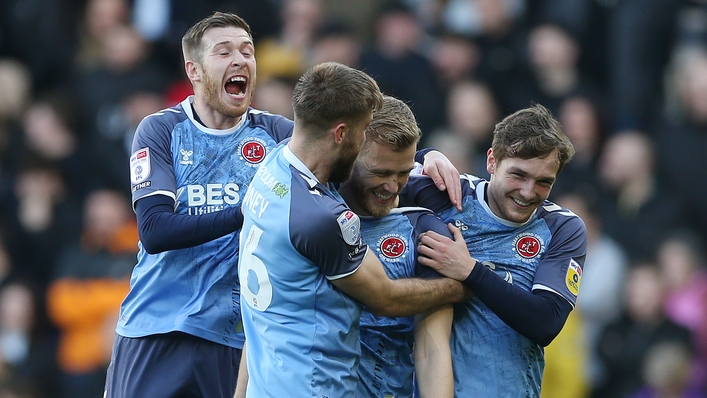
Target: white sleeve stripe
335,277
543,287
162,192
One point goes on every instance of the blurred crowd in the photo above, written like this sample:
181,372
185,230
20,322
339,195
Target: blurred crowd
626,78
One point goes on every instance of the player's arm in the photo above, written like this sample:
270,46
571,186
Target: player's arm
242,381
538,315
442,172
433,356
161,229
400,297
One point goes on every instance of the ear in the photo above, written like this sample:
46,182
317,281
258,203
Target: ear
490,161
339,131
193,70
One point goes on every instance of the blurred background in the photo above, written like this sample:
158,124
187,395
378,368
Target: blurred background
626,78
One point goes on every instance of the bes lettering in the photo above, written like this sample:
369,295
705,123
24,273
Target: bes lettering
213,194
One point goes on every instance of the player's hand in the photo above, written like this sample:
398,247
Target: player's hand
444,175
450,258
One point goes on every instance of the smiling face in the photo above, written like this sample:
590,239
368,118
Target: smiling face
519,186
378,176
224,78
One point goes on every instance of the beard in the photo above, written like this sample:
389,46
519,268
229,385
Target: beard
212,97
367,202
341,169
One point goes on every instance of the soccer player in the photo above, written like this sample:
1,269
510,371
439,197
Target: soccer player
303,266
527,259
380,172
179,330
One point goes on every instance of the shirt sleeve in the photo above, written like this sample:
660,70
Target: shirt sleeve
560,270
421,191
427,221
326,231
538,315
151,168
161,229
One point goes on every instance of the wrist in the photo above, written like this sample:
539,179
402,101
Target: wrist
470,276
420,155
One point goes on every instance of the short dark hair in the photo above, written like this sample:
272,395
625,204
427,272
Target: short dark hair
331,92
192,47
531,133
394,125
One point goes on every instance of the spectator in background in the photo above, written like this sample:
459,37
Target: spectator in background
91,279
51,178
666,370
471,114
286,53
640,34
103,95
27,362
584,123
100,17
624,344
41,35
455,58
396,61
552,73
682,136
636,208
44,218
499,30
336,42
599,304
49,133
16,83
681,258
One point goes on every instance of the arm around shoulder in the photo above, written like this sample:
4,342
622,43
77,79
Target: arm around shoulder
399,297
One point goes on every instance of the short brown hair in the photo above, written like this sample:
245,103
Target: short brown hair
394,125
331,92
531,133
192,47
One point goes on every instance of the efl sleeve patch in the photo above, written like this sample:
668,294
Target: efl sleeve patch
350,226
574,277
140,165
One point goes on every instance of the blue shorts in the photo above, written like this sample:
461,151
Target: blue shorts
171,365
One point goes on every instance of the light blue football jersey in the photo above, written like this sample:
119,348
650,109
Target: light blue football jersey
547,252
387,366
302,332
194,290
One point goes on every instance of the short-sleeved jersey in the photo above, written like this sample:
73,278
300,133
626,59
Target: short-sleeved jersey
547,252
194,290
387,367
302,332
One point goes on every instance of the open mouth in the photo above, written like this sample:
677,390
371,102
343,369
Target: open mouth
384,198
521,203
236,86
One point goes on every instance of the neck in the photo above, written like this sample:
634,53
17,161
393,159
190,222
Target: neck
314,154
212,118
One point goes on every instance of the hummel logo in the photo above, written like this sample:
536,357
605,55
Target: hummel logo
185,157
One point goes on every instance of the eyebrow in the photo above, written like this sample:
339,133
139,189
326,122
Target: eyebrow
389,171
518,170
247,42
